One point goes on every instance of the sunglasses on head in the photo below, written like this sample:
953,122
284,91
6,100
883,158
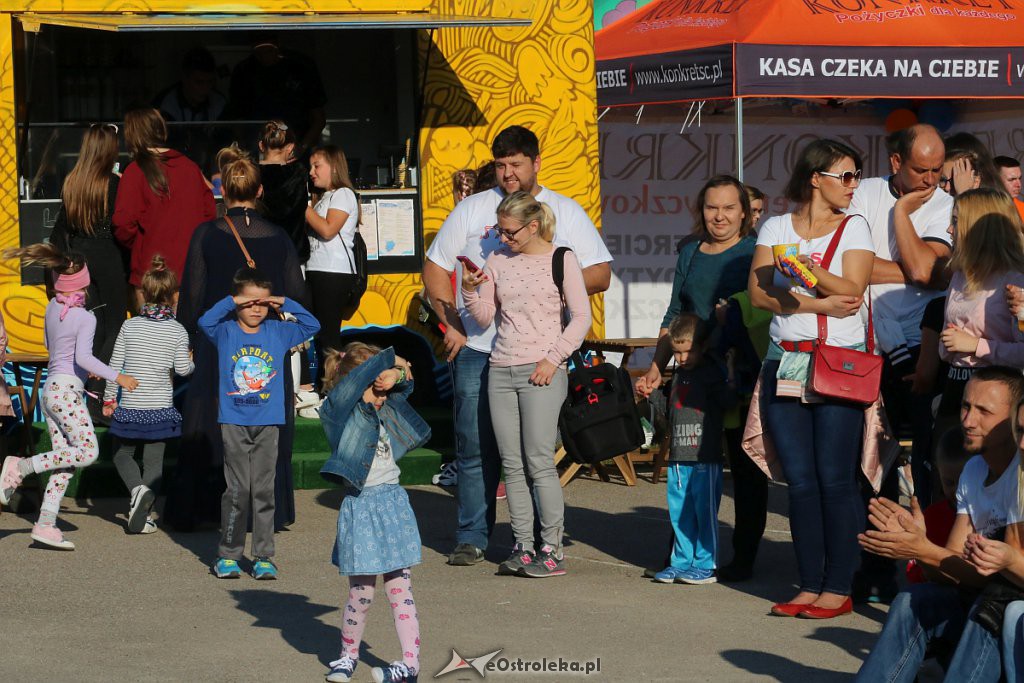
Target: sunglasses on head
848,178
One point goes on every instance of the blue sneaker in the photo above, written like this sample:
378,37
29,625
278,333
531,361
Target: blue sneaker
696,577
396,673
670,575
341,670
263,569
227,568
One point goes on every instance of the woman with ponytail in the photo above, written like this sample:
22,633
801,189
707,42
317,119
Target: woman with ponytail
285,193
84,226
163,196
214,255
69,330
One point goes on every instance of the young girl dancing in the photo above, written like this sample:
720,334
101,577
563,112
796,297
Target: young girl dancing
370,426
150,347
69,330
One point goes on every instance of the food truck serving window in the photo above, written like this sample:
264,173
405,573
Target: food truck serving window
356,89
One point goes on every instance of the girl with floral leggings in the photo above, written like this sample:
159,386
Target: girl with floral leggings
69,330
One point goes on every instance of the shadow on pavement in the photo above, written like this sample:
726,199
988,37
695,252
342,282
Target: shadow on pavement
300,625
779,668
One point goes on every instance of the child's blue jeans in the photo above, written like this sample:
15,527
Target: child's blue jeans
694,491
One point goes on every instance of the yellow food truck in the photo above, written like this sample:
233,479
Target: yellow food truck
420,86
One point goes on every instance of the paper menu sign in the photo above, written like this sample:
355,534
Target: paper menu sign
396,227
368,229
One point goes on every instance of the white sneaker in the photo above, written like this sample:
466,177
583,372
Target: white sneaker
306,399
448,476
311,412
150,526
138,511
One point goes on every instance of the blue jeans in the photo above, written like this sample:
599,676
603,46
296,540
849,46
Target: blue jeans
918,615
819,446
977,656
1013,640
476,449
694,492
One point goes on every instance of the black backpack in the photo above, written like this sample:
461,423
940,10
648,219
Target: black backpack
599,419
357,258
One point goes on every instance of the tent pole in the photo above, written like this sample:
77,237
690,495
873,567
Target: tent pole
739,138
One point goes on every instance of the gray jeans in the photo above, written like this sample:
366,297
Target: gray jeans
525,418
250,458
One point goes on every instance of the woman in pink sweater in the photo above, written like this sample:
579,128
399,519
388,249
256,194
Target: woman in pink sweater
979,331
527,382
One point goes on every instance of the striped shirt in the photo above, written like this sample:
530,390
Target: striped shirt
149,350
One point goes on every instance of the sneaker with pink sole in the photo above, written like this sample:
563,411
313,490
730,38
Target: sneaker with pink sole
51,537
10,478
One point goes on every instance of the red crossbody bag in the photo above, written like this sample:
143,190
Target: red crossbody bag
841,373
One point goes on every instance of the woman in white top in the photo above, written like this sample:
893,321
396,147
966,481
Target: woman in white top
819,442
331,269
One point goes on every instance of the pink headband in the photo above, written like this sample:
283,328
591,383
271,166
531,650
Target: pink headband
73,283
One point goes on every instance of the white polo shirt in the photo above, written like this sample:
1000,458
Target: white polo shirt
469,231
901,303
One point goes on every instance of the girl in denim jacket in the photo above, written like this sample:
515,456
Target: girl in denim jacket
370,426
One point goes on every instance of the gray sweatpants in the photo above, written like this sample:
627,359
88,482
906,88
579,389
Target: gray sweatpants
525,419
250,459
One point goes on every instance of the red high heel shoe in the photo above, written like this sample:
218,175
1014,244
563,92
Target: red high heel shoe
788,609
815,612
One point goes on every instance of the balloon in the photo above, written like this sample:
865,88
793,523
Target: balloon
939,113
899,119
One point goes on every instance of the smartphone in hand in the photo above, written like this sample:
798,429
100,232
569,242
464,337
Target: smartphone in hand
468,264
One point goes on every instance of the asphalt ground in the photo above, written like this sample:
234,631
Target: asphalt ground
147,608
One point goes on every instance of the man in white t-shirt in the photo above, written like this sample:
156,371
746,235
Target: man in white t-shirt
986,503
469,231
909,216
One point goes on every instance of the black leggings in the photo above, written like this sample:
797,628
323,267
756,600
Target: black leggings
330,296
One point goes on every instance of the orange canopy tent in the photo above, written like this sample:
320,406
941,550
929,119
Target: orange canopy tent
679,50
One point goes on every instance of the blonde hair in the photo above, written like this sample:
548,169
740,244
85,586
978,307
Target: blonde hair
46,255
524,208
159,284
988,237
276,135
337,364
336,159
239,176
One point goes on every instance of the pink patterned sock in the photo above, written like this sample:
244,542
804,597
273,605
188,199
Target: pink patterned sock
360,596
55,489
398,587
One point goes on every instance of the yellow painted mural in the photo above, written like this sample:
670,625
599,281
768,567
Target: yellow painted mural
479,81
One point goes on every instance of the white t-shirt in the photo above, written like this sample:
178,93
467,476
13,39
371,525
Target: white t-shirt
384,469
901,303
332,256
469,231
847,331
990,508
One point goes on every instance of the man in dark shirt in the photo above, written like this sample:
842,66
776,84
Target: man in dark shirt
274,83
194,98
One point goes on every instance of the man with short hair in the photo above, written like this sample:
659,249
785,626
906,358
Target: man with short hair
986,502
469,231
909,216
1010,174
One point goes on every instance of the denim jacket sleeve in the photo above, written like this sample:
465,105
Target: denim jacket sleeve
346,395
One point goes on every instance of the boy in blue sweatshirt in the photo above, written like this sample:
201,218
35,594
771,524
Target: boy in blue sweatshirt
252,352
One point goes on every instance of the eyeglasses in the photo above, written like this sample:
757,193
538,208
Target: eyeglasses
944,182
508,234
846,179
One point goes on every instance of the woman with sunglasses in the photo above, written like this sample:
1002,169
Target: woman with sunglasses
817,439
527,382
83,225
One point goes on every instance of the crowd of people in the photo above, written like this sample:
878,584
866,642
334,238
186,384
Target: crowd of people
916,276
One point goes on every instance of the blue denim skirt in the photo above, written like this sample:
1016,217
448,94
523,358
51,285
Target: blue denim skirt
377,532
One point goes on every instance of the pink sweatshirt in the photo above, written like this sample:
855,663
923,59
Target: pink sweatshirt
985,315
521,293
